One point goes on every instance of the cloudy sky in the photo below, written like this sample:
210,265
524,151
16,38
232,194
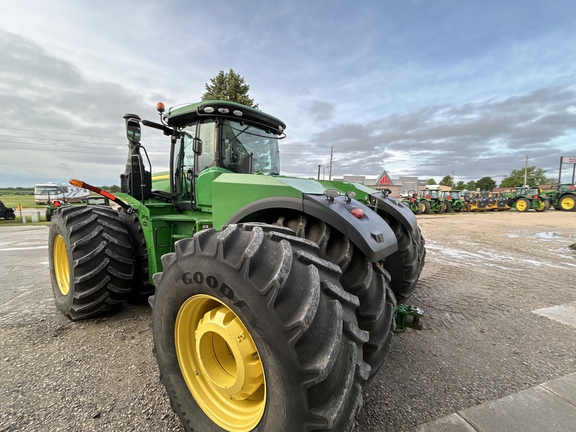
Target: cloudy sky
416,87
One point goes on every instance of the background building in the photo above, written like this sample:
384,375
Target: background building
397,186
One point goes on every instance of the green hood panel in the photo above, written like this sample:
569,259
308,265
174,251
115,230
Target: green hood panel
231,192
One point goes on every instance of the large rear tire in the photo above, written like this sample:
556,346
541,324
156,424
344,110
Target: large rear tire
426,209
252,331
361,277
522,205
441,208
90,261
141,286
568,203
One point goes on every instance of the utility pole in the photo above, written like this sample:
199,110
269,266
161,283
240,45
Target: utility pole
319,171
453,179
526,172
331,156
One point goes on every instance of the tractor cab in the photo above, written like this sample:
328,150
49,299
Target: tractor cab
215,137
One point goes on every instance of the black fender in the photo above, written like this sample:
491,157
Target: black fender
370,233
394,208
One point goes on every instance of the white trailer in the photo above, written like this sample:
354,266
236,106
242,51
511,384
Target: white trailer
45,193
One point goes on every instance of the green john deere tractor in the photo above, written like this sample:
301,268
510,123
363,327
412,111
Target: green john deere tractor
431,201
274,298
453,200
563,197
411,200
527,197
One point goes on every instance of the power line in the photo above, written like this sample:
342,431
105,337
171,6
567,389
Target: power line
80,150
60,133
77,142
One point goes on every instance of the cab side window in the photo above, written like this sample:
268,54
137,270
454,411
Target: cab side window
184,163
207,135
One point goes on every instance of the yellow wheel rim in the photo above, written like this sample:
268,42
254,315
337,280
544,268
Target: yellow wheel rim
521,205
540,205
220,363
567,203
61,267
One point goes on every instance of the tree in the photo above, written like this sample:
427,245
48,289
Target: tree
486,184
230,87
551,181
447,181
460,185
535,176
471,185
431,182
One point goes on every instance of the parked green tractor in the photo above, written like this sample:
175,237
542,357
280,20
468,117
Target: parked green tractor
52,206
274,298
527,197
431,201
412,201
453,200
563,197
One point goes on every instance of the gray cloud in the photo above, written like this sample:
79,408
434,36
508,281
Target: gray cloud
58,124
321,111
487,138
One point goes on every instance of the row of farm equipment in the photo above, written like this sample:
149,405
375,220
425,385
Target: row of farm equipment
434,200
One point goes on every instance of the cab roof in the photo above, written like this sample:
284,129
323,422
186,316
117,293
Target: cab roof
183,114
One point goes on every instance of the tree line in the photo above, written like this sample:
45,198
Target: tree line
534,177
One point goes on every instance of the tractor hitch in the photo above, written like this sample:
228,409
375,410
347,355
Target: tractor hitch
407,316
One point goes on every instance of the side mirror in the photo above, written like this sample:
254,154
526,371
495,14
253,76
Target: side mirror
197,146
133,130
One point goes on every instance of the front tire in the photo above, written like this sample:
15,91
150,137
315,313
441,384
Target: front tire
90,261
441,207
539,205
252,331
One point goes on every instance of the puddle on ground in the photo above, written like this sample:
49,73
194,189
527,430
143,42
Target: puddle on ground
543,235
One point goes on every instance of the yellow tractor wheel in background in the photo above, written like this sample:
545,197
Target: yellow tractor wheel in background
522,205
568,203
540,205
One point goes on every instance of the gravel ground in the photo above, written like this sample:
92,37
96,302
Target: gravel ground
485,274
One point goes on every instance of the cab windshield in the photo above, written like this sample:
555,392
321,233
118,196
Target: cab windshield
240,140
